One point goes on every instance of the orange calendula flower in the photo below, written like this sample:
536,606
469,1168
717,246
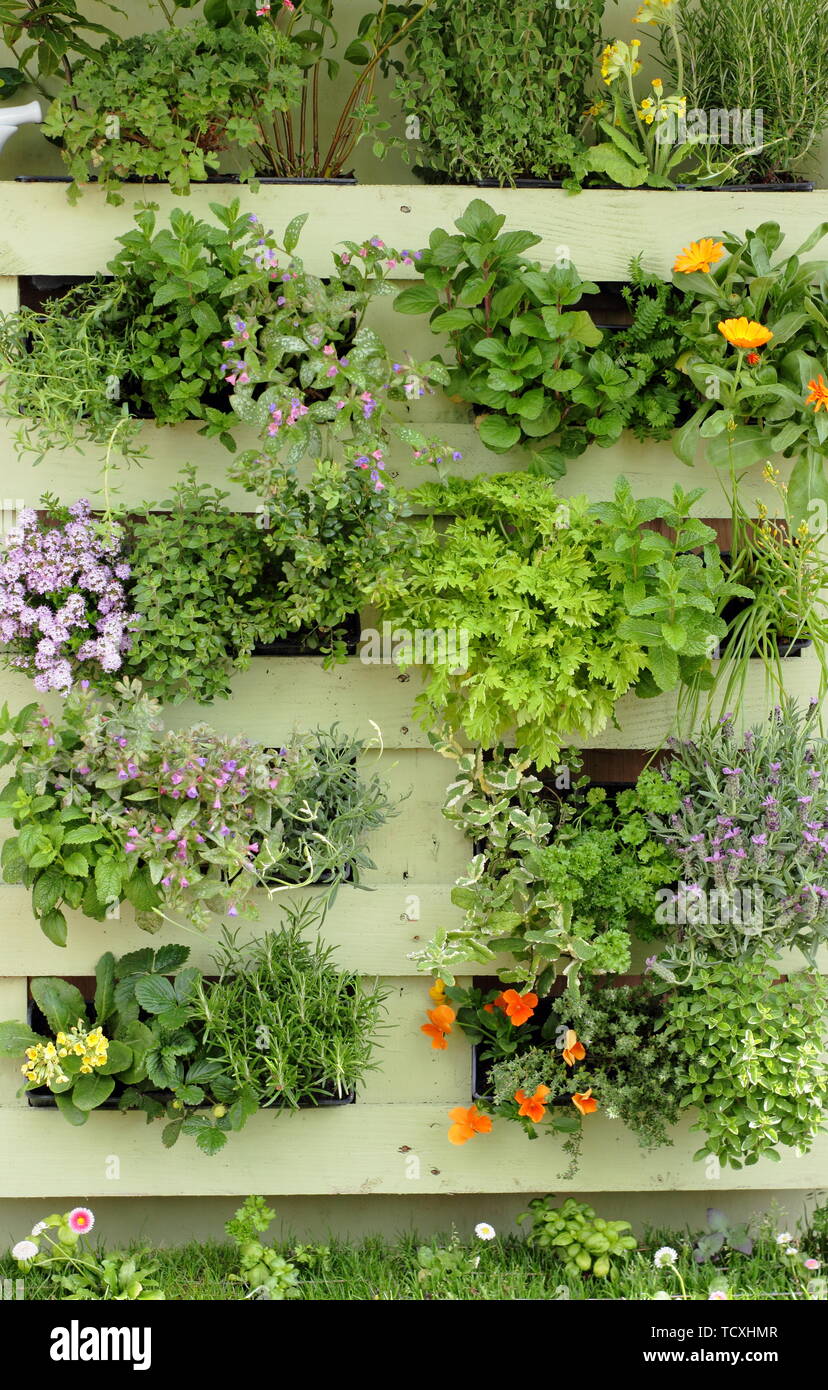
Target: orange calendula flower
818,394
467,1123
573,1051
583,1101
518,1007
438,991
439,1025
699,255
532,1107
744,333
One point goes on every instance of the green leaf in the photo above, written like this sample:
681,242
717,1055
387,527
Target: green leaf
155,994
91,1090
69,1111
76,864
62,1003
170,1133
53,926
82,835
16,1037
47,891
498,433
416,299
105,987
211,1140
808,492
293,231
108,878
119,1059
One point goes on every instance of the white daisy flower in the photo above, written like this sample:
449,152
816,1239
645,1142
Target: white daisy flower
24,1250
666,1255
39,1228
484,1231
784,1238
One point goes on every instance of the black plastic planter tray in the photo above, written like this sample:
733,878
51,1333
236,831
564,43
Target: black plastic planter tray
296,646
43,1099
343,180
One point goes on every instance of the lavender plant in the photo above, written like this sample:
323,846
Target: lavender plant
64,611
751,834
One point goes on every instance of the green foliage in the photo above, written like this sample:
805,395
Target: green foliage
752,1047
750,408
287,1026
45,39
649,349
673,596
721,39
749,831
499,90
572,1233
530,362
720,1236
558,872
327,544
337,802
263,1270
310,377
126,114
148,339
77,1274
205,587
517,574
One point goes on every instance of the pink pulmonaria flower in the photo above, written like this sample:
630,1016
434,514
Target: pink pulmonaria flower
232,911
345,258
329,349
80,1220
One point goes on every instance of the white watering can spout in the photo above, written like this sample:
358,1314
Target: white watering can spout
11,117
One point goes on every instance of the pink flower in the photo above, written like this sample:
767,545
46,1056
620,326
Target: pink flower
812,1264
80,1220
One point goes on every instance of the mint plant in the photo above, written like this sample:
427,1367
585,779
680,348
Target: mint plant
531,363
673,595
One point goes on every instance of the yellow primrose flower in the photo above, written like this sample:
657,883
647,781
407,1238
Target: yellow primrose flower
654,12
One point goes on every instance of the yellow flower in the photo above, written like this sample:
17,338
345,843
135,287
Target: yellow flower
744,333
653,12
437,991
699,255
657,83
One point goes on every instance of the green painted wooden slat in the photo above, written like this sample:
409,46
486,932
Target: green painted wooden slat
367,1149
599,229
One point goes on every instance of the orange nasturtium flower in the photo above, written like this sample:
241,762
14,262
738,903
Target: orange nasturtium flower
818,396
532,1107
583,1101
699,255
467,1123
518,1007
440,1023
744,333
438,991
498,1003
573,1051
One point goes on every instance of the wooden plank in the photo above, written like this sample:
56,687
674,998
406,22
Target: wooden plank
601,229
8,294
365,1149
651,468
280,696
410,1070
374,932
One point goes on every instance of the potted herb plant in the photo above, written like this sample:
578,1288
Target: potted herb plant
148,341
45,41
563,874
311,377
125,112
495,94
750,834
589,619
536,369
160,1038
755,348
184,824
789,87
